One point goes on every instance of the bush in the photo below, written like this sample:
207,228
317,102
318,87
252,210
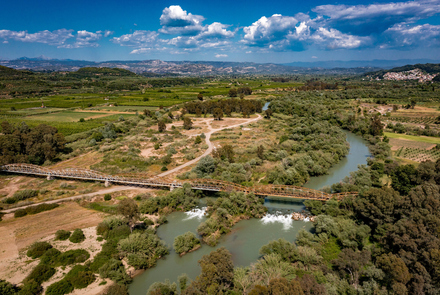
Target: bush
37,249
73,256
30,287
115,270
59,288
80,277
21,195
7,288
107,197
34,209
40,273
116,289
62,235
77,236
50,257
20,213
185,243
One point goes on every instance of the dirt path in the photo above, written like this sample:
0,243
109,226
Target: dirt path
208,142
101,192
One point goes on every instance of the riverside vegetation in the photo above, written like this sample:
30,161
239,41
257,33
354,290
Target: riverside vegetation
384,241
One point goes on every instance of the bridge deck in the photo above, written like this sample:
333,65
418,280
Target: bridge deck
201,184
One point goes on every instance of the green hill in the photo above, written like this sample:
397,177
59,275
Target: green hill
6,72
89,72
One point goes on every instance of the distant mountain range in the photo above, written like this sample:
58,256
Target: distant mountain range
204,68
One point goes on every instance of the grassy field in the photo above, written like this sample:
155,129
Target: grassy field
69,116
433,140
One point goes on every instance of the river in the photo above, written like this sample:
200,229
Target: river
247,236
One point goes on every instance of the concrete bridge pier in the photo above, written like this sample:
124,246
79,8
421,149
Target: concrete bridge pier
50,177
172,187
107,183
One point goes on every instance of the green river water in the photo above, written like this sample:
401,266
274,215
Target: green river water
247,236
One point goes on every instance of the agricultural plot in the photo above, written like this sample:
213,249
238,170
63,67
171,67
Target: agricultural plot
69,116
418,154
432,140
415,120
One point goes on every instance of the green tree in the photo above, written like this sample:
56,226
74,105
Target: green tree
260,152
161,126
187,123
376,126
200,96
130,210
217,273
218,114
232,92
198,140
186,242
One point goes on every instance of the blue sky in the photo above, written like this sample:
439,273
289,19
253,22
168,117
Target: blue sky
259,31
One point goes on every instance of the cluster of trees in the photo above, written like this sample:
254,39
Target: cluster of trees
186,243
223,214
227,106
318,85
21,144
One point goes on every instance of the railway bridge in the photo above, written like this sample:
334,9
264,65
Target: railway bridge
286,191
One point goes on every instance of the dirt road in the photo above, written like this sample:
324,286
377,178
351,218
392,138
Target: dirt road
209,143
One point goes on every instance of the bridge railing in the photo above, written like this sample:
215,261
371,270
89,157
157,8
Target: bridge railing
202,184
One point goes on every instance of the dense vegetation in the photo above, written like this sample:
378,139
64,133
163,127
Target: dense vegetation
21,144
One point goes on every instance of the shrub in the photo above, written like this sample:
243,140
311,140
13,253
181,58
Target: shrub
115,270
30,287
185,242
21,195
80,277
7,288
73,256
40,273
62,235
77,236
50,257
107,197
59,288
40,208
116,289
20,213
37,249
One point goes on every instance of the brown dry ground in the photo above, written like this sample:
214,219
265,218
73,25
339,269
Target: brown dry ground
19,233
398,143
81,161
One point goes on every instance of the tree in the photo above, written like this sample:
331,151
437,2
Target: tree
260,152
404,178
200,97
232,92
268,113
161,126
217,273
351,262
225,152
186,242
130,210
198,140
187,123
413,103
218,114
376,127
205,166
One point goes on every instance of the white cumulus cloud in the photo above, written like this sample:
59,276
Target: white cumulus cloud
175,20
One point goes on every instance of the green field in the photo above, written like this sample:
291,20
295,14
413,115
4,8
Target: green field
68,116
433,140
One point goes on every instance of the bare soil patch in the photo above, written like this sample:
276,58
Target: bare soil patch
19,233
398,143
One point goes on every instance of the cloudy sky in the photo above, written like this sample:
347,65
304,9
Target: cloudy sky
261,31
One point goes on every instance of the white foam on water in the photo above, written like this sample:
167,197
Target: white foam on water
286,219
196,213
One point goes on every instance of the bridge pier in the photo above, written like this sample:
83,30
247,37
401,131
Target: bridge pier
172,188
107,183
50,177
